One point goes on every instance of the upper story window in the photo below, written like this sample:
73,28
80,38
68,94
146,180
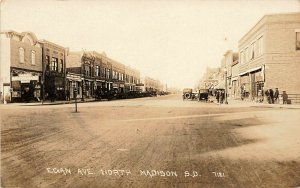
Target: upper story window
47,63
104,72
97,71
247,54
54,64
33,57
21,55
61,66
260,46
297,40
251,51
87,70
242,59
108,73
255,50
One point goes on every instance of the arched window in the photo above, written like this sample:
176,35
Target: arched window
21,54
33,57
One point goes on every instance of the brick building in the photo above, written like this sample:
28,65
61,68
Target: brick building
21,67
54,69
226,65
118,75
150,84
270,56
132,79
80,74
235,92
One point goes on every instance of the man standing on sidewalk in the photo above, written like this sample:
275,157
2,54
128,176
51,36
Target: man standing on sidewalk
271,96
276,96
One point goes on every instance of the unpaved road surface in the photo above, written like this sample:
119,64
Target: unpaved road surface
150,142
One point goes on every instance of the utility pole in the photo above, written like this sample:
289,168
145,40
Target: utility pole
226,86
75,95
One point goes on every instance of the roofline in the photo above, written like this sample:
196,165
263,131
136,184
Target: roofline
260,20
52,43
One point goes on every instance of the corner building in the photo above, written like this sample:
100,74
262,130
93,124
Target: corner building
270,56
21,67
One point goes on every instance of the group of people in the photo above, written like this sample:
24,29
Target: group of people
272,96
220,96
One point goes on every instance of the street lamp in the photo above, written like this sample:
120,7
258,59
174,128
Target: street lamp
225,75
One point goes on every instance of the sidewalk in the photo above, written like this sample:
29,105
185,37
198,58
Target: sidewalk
54,103
245,103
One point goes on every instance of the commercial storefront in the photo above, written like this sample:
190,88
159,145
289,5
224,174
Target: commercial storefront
25,86
252,83
244,85
74,81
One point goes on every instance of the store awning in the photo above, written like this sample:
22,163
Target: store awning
250,70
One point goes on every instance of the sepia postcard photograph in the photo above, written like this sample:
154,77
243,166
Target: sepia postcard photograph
150,93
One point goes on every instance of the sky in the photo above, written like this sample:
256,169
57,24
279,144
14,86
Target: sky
169,40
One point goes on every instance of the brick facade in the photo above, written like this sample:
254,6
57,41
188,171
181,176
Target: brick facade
274,61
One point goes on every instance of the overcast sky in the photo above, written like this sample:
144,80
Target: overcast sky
173,41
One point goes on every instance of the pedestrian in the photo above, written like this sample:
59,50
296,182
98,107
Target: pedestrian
222,96
267,93
259,94
243,92
217,95
272,96
68,95
276,96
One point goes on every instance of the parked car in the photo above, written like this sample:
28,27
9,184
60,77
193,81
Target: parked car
203,94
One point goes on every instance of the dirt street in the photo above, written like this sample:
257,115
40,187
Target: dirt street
150,142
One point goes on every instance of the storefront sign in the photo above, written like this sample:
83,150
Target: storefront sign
25,78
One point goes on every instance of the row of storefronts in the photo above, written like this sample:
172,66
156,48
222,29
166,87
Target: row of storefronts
91,73
39,70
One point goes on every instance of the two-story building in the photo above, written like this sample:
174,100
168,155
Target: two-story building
54,70
235,92
80,74
118,76
20,67
228,59
270,55
132,79
150,84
